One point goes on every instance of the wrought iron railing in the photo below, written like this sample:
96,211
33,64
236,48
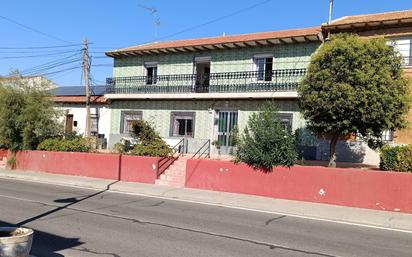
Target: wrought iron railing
165,162
203,150
247,81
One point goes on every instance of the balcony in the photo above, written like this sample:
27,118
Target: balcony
285,80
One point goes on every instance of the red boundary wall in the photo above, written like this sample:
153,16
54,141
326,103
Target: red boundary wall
379,190
139,169
3,153
107,166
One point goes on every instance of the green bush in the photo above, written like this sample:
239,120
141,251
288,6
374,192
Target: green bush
149,141
265,143
156,147
65,145
398,158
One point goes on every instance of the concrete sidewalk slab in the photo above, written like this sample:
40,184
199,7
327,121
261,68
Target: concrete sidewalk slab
331,213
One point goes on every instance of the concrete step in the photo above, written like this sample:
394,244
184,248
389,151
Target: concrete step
176,172
176,179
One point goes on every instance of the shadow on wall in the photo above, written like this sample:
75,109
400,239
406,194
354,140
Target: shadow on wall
346,151
312,148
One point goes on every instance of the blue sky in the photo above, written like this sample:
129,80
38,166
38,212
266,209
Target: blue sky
111,24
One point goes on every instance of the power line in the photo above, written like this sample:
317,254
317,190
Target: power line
53,64
215,20
33,29
41,47
37,55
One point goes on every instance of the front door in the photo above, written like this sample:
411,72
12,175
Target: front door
69,123
227,121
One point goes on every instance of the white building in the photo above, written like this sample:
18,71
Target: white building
72,101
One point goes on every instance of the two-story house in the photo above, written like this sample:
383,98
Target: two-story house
201,89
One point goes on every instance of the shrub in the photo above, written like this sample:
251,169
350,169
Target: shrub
265,143
144,131
398,158
65,145
153,148
149,141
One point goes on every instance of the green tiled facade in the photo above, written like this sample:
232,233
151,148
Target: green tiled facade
289,56
286,56
158,112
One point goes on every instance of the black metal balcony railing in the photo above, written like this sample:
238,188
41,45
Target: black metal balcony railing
230,82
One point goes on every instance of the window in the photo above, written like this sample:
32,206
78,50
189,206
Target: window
264,66
182,124
127,118
151,73
94,124
387,136
404,47
286,120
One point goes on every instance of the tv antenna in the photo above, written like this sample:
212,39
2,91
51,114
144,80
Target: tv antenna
155,18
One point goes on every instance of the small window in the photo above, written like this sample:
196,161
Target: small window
151,73
404,48
387,136
94,124
127,119
182,124
264,68
286,120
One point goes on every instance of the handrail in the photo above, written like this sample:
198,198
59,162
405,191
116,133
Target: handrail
165,162
204,151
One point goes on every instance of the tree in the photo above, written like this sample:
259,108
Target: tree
354,85
264,142
27,115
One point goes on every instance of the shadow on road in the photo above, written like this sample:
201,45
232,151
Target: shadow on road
70,201
46,244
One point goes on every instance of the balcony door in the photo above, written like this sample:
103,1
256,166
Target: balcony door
202,74
226,122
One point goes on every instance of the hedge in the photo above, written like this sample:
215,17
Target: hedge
397,158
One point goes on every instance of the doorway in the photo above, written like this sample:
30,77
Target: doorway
69,123
227,121
202,69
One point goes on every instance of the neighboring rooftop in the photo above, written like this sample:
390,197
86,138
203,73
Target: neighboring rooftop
79,91
377,19
77,94
222,42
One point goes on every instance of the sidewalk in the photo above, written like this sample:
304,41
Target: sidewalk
314,211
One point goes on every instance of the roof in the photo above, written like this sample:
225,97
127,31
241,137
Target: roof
79,99
386,18
79,91
222,42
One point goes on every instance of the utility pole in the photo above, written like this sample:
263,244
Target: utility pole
86,70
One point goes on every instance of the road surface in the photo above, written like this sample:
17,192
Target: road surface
79,222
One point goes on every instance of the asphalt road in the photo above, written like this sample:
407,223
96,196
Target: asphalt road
78,222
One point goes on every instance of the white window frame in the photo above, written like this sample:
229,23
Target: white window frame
406,60
148,65
256,57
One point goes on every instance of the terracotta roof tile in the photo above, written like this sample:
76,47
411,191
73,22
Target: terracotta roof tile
313,31
378,17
